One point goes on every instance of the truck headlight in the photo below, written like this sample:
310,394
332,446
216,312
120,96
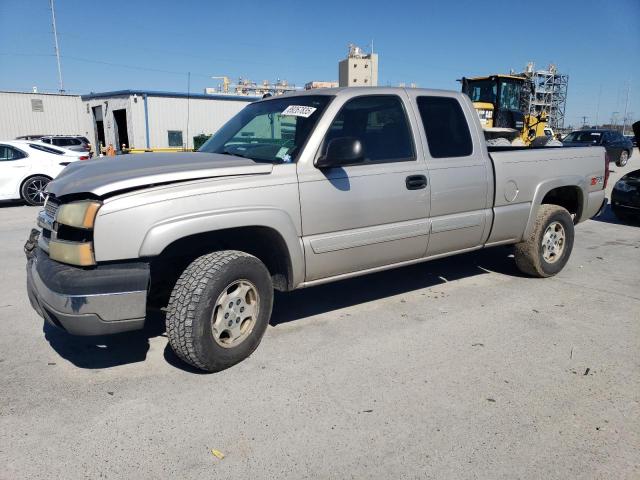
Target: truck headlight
73,253
78,214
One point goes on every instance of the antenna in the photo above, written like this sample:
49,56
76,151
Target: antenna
57,48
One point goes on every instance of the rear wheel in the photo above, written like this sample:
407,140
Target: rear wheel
624,158
546,251
219,309
32,190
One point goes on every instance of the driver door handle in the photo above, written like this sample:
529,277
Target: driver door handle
416,182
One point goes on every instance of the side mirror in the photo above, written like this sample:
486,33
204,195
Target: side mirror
341,152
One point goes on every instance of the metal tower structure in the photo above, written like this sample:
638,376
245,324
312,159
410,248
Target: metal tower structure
548,93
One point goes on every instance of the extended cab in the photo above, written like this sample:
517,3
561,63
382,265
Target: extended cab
295,191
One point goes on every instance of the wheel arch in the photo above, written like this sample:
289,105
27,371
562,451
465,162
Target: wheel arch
567,192
271,237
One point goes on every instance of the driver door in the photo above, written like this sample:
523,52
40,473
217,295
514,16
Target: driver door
374,213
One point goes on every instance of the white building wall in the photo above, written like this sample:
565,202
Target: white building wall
108,105
205,116
60,115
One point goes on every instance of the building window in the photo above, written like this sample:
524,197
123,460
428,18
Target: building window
355,65
175,138
36,105
366,65
355,80
365,80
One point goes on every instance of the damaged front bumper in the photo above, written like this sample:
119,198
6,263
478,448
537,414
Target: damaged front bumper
102,300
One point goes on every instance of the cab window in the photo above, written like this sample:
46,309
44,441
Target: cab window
445,126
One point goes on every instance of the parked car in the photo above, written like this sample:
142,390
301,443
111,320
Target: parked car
619,148
295,191
26,167
625,198
72,142
30,137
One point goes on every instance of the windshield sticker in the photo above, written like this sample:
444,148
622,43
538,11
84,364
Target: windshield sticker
299,111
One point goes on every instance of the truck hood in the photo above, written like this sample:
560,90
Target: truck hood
108,175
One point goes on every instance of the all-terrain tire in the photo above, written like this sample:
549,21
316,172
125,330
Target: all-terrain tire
191,306
623,159
529,253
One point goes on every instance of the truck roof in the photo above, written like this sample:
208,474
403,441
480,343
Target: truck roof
336,91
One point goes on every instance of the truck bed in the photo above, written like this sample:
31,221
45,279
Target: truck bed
524,175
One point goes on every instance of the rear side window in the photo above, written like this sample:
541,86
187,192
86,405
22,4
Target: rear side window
380,123
44,148
446,127
8,153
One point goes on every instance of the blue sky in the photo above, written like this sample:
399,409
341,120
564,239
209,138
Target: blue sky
115,44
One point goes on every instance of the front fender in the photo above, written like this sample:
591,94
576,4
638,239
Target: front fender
167,231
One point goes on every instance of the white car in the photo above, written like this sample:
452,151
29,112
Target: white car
26,167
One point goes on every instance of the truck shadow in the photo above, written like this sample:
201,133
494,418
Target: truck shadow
112,350
332,296
105,351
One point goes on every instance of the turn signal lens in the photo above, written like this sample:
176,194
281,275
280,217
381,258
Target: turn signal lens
78,214
72,253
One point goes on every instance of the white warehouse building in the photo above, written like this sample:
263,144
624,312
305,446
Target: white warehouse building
135,118
41,114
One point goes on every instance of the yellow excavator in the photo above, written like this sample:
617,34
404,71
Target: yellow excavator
502,105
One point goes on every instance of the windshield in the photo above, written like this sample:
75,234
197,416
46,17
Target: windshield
583,137
509,94
269,131
482,91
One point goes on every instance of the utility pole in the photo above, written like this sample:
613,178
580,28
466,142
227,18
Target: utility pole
626,107
584,121
57,48
598,107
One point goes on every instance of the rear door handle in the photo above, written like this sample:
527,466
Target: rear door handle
416,182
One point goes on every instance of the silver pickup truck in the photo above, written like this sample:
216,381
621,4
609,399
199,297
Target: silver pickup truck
292,192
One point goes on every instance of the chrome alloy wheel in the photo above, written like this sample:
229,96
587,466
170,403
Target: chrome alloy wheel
235,313
35,191
553,242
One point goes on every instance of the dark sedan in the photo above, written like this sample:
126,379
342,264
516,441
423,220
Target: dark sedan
617,145
625,198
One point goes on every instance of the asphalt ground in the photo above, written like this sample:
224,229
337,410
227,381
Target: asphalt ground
456,368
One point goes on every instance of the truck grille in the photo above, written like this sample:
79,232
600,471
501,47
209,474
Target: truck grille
51,206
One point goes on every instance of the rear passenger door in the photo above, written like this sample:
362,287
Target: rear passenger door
371,214
14,166
460,174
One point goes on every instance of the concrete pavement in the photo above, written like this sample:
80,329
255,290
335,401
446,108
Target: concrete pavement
457,368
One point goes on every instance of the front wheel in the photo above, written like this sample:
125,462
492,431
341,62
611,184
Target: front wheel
624,158
32,190
219,309
546,251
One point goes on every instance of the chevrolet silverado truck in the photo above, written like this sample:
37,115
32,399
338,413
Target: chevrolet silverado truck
295,191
